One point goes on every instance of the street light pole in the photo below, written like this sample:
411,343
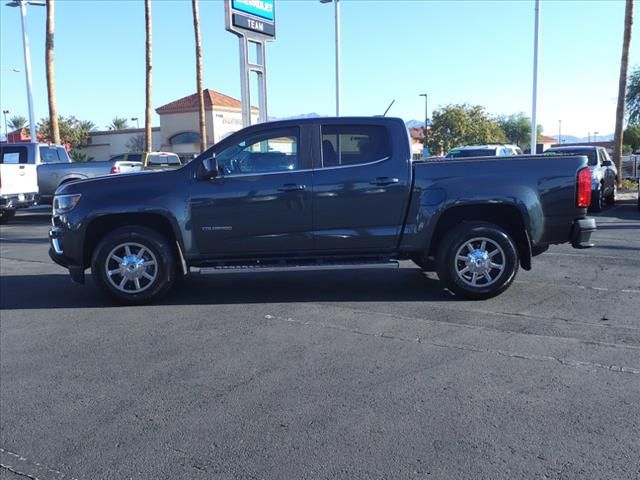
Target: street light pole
534,125
338,86
426,118
337,28
27,59
137,120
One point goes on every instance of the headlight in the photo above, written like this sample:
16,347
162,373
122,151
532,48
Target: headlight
65,203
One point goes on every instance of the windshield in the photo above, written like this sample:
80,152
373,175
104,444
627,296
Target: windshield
472,152
590,153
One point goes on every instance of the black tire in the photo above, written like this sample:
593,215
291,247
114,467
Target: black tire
151,261
6,215
596,200
451,269
611,199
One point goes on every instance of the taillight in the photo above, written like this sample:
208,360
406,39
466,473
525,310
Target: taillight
583,197
115,169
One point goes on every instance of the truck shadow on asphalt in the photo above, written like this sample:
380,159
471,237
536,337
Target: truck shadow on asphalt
20,292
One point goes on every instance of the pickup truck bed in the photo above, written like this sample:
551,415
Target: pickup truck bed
318,194
52,175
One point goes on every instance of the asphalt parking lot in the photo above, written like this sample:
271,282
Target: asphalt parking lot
312,375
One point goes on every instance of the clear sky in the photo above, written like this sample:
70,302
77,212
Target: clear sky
477,51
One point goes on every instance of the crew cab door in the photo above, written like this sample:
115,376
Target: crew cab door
261,201
361,185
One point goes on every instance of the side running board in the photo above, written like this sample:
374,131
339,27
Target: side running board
295,267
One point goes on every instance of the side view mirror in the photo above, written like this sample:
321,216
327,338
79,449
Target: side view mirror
607,163
209,169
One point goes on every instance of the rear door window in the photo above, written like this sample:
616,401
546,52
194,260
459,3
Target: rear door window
49,155
345,145
13,155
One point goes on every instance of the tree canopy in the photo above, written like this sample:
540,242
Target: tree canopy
73,132
455,125
632,137
17,122
633,97
118,123
517,128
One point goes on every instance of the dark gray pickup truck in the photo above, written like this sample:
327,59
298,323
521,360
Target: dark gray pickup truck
328,193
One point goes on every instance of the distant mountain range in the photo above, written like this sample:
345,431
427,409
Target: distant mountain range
572,139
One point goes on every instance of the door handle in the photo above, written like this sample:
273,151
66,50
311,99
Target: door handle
381,181
291,187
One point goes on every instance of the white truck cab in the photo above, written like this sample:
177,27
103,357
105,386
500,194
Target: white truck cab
18,179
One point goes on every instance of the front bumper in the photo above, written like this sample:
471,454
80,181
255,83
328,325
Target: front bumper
581,232
56,253
19,200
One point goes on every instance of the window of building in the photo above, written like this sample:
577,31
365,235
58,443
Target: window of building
354,144
186,137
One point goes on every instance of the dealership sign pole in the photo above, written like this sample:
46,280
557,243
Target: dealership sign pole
253,21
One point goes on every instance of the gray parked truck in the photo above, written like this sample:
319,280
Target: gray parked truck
318,194
54,167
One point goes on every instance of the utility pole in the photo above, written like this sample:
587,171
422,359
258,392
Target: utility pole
426,119
560,131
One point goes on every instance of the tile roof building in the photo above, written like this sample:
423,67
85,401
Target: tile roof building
179,130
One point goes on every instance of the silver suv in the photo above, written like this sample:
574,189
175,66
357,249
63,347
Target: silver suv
604,175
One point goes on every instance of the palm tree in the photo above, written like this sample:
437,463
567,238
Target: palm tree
51,88
118,123
147,116
17,122
86,125
633,97
196,29
622,87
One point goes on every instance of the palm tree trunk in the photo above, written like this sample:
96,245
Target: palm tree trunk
196,29
148,145
51,84
622,88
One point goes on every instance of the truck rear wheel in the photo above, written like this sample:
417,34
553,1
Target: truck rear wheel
477,260
134,265
6,215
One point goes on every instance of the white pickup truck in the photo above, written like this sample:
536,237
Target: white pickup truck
18,181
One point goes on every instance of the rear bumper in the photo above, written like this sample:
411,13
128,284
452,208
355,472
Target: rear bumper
581,232
21,200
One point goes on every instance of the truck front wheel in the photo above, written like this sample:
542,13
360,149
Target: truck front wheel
134,265
477,260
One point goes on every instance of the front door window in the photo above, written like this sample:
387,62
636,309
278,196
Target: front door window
273,151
